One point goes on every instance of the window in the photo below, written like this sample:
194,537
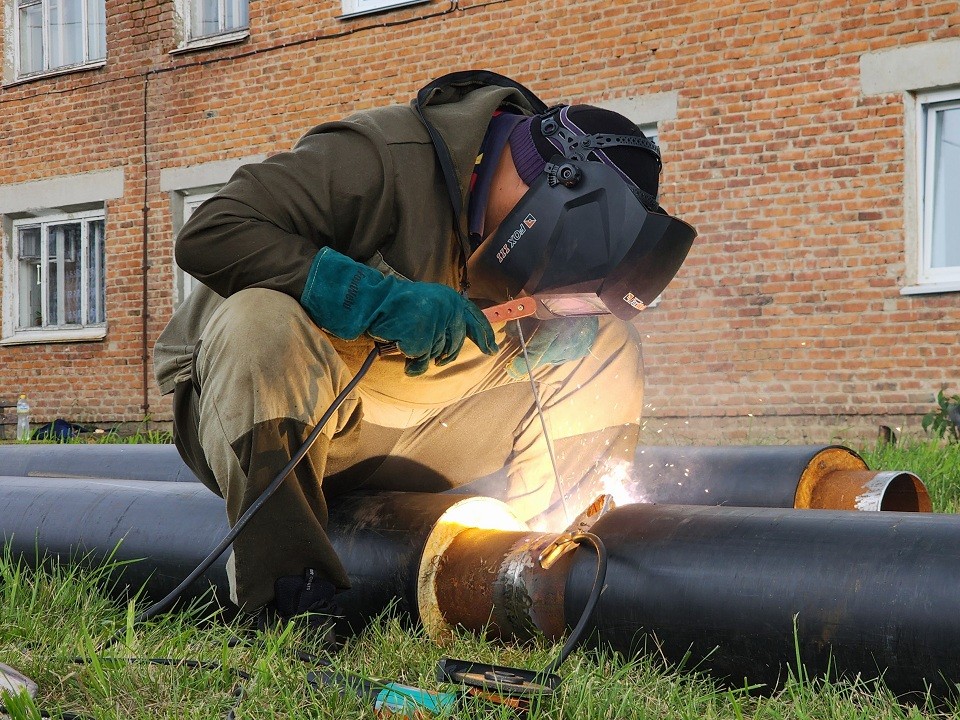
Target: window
650,131
216,20
184,283
363,7
54,34
939,153
59,273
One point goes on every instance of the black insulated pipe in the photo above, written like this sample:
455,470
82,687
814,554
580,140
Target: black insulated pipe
872,593
729,590
825,477
802,476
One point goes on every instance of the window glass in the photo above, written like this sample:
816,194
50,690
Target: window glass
66,32
358,7
60,273
212,17
235,14
31,38
29,278
59,33
96,29
96,284
945,221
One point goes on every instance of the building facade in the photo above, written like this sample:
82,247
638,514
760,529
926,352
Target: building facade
815,146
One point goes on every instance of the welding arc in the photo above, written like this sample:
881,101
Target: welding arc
267,493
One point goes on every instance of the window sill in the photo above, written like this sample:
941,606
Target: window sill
386,7
33,337
932,288
212,41
94,65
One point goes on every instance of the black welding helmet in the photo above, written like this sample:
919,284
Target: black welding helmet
586,238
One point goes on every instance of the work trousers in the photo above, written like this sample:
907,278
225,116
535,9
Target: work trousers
264,373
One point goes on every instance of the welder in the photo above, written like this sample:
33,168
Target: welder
398,225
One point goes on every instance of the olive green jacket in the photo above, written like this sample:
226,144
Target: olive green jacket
369,186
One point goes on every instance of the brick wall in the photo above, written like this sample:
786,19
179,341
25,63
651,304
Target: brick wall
786,322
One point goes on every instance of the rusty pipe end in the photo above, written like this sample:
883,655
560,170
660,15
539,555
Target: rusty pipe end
479,514
869,491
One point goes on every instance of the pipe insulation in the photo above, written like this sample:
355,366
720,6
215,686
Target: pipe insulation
871,592
823,477
801,476
739,588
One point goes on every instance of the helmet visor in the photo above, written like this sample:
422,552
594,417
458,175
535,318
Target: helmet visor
587,247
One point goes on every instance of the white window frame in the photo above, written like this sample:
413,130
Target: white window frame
86,62
50,332
222,36
354,8
928,105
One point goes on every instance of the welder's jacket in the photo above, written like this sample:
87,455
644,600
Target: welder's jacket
369,186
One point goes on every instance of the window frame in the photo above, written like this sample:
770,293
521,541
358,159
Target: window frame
357,8
67,332
927,106
184,282
86,62
223,35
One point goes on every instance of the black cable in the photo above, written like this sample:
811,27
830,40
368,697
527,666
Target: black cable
268,492
574,637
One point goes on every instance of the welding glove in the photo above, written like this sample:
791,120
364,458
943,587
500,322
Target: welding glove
428,321
552,342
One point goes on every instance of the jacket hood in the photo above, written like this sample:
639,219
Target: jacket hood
456,109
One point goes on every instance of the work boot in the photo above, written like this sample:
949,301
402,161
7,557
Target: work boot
308,601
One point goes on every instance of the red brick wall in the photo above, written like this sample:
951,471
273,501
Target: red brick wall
786,320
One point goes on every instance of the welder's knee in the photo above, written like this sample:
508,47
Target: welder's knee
262,328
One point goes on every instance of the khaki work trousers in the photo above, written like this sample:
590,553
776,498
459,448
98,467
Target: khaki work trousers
264,373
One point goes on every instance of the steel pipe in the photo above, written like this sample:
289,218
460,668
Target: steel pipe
141,461
736,590
825,477
801,476
870,592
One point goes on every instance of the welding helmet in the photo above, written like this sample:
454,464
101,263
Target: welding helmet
588,237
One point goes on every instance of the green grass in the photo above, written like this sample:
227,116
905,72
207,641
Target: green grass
936,463
51,616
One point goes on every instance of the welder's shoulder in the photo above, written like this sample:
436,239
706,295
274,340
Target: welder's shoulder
394,124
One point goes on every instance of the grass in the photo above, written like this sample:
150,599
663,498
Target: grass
52,616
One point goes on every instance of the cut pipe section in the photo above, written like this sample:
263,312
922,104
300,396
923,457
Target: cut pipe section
830,477
801,476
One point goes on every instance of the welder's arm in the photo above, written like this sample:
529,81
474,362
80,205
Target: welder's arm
428,321
264,227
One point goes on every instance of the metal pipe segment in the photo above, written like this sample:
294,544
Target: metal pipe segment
735,590
864,592
825,477
801,476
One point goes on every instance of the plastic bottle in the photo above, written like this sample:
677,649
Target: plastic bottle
23,418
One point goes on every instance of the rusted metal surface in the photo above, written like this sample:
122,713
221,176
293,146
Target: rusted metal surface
493,582
866,490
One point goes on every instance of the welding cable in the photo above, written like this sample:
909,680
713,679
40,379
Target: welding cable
598,582
268,492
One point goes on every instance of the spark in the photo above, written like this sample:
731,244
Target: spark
615,483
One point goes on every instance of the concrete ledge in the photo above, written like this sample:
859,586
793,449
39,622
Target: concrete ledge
61,192
643,109
923,66
208,174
